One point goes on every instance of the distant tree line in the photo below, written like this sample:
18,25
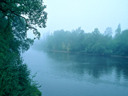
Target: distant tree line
93,42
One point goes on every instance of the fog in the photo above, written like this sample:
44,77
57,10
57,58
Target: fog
87,14
86,62
64,74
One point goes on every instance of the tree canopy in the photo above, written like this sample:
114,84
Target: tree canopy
90,43
29,12
16,18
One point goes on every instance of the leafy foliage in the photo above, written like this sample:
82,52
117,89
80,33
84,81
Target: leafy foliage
29,12
16,18
92,43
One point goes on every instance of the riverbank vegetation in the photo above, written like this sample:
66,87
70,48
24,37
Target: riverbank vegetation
92,43
16,18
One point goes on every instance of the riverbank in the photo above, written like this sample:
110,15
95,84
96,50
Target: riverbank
117,56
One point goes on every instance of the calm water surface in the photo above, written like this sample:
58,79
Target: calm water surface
62,74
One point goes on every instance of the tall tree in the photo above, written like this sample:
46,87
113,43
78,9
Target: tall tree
118,30
16,18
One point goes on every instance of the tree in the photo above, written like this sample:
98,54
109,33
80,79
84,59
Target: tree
118,30
16,18
108,32
29,12
120,44
94,43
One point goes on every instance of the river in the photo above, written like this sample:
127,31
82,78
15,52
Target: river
63,74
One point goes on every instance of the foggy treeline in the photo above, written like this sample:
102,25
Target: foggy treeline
94,43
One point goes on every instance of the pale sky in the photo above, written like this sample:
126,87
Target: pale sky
87,14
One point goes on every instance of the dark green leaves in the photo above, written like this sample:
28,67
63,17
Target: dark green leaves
16,18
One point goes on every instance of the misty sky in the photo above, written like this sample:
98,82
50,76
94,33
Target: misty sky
87,14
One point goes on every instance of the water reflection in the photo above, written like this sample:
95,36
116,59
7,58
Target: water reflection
62,74
97,67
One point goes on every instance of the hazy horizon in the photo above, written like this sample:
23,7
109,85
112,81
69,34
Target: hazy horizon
87,14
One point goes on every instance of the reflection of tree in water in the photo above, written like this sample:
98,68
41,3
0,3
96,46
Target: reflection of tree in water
121,66
95,66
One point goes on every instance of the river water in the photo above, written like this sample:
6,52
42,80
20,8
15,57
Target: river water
63,74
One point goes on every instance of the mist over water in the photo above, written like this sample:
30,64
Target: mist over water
88,26
63,74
